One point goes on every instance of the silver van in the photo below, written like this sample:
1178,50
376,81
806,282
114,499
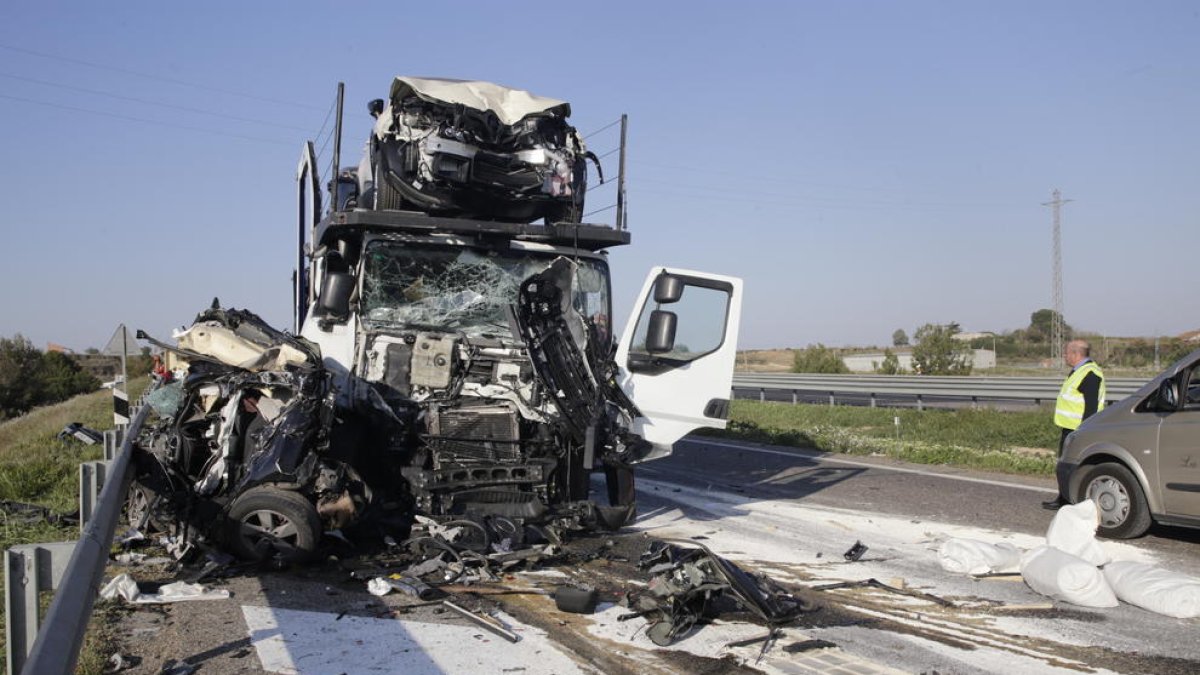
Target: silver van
1139,459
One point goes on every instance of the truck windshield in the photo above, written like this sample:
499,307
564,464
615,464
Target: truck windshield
462,289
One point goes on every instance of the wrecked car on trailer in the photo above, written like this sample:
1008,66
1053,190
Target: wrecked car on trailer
473,149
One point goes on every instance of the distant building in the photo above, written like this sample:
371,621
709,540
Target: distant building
984,359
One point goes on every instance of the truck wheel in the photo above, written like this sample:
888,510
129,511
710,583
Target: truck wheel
1124,513
267,522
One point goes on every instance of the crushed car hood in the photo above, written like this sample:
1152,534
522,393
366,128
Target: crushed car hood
510,105
242,339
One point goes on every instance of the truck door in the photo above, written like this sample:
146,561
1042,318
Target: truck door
677,354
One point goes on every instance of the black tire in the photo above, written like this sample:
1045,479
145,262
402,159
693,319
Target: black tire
267,522
1124,513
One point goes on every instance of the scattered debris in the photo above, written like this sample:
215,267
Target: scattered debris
875,583
1073,530
77,432
808,645
123,586
488,624
1066,577
856,552
575,600
32,513
687,578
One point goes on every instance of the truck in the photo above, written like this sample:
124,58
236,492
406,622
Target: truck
467,366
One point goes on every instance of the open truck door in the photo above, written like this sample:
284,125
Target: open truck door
677,354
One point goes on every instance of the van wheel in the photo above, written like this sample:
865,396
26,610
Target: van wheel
266,522
1124,513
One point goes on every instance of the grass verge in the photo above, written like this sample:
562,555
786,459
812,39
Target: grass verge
37,468
1009,442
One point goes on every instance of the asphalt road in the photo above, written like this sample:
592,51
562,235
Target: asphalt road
786,513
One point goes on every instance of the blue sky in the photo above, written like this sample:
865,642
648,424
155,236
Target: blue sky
865,166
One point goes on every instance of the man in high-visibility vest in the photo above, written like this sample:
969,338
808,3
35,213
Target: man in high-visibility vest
1081,396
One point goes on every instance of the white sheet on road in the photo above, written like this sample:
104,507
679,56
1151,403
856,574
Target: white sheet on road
971,556
1154,588
1073,530
296,642
1065,577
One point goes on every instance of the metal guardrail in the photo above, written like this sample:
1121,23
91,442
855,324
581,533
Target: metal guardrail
920,387
34,568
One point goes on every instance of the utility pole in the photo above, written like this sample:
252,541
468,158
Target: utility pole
1056,324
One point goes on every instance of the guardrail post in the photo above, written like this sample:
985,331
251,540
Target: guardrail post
762,394
832,402
974,403
920,404
91,482
29,569
872,399
793,397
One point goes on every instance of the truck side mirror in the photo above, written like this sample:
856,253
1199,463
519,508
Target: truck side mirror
667,289
1168,395
375,107
660,334
335,294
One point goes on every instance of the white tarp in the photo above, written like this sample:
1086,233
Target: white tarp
1155,588
1073,531
1066,577
971,556
510,105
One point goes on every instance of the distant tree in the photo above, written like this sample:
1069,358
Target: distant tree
1041,326
899,338
938,353
890,365
818,359
91,350
20,386
141,364
62,378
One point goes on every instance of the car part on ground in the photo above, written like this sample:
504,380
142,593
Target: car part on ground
76,431
688,579
475,150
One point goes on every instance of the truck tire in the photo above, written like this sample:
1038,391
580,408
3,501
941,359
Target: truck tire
1124,513
267,522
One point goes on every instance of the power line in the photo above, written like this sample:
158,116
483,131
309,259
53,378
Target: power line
151,76
130,118
143,101
607,126
607,208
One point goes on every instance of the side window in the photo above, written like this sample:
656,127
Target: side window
1191,395
700,322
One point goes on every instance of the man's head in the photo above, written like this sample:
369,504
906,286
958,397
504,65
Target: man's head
1077,351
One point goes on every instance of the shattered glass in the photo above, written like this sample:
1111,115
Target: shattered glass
456,288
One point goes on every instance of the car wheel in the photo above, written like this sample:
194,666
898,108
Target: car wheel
1124,513
265,522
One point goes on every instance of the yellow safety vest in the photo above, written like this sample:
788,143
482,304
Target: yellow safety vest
1068,412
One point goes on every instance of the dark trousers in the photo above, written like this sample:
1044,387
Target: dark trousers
1061,476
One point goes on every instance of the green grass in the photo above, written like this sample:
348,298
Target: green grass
37,468
1010,442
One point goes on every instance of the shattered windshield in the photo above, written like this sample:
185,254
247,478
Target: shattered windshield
453,288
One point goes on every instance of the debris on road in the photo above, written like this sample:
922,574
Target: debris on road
1073,530
575,600
123,586
875,583
856,552
688,578
488,624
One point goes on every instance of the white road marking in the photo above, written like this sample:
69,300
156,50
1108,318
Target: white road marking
869,465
